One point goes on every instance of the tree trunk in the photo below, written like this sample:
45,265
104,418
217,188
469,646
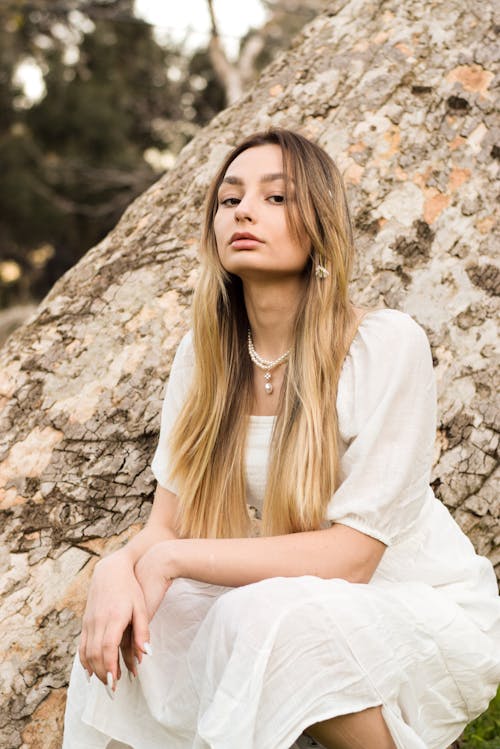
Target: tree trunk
400,94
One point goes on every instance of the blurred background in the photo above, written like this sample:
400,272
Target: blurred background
97,98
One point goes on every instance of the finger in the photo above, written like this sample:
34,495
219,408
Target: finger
102,648
82,654
140,630
93,656
127,650
110,644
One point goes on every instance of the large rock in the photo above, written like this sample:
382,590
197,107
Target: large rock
400,94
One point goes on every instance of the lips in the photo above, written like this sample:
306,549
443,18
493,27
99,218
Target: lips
244,235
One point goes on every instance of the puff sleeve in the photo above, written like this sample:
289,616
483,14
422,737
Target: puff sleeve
175,394
386,403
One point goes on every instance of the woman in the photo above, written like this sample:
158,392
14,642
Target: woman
347,603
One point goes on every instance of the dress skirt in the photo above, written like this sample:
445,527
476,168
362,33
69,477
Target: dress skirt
252,667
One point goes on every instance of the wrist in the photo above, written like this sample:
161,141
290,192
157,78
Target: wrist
171,559
121,556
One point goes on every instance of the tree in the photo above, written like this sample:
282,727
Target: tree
402,99
73,161
259,45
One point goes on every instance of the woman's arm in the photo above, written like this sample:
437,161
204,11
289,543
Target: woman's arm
160,526
339,551
116,610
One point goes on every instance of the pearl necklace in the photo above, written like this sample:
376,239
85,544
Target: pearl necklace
264,364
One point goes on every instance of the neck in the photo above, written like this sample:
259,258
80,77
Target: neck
271,309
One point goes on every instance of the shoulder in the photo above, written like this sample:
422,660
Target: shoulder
389,361
389,346
389,332
184,355
181,370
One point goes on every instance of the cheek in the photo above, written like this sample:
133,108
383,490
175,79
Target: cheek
219,240
296,245
301,252
217,236
218,226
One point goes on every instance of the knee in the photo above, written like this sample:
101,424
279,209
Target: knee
291,607
249,609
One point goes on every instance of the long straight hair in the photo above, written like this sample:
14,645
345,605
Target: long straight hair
208,440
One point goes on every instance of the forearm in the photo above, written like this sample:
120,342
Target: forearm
324,553
159,527
150,535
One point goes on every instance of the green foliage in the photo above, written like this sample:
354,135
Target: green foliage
484,731
72,162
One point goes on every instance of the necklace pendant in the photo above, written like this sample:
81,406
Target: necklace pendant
264,364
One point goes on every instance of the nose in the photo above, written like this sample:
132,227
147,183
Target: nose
244,209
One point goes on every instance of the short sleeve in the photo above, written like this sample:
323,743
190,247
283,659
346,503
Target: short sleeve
175,393
386,404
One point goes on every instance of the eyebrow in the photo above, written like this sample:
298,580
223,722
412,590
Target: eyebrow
265,178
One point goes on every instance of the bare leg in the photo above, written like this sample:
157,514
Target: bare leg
365,729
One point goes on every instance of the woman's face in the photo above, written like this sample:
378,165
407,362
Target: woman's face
251,201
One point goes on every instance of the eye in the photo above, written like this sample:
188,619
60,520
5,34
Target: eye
227,202
280,199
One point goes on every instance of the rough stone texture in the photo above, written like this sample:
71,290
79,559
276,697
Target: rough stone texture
12,317
401,95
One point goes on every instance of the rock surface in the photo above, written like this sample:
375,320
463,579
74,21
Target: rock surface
401,95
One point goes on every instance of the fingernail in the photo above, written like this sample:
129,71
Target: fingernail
130,675
109,685
87,675
147,648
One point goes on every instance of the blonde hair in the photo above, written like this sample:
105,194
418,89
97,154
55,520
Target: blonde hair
208,439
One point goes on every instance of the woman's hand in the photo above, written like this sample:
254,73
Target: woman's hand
115,616
155,573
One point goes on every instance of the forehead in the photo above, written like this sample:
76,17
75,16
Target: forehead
255,162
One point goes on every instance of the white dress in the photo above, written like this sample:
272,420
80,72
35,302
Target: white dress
251,667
